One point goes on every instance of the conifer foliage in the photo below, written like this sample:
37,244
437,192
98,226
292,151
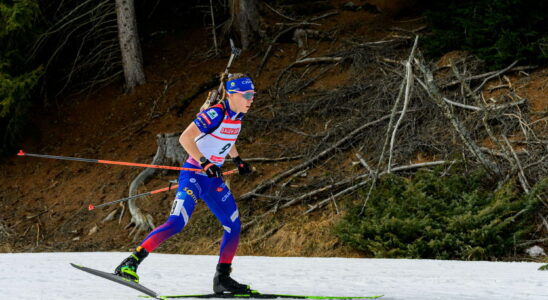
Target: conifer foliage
498,31
434,215
17,80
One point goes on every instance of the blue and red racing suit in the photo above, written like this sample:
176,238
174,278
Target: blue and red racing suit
220,127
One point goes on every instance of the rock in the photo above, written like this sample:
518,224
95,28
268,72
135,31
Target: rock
535,251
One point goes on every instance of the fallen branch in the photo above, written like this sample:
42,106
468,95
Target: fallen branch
505,105
502,86
328,14
372,44
544,222
302,133
415,30
323,189
493,76
279,13
265,57
354,187
521,174
437,98
360,177
363,162
407,96
480,76
270,232
332,197
531,242
301,38
302,23
470,107
5,230
305,164
270,197
316,60
267,160
335,204
306,61
487,107
538,162
311,80
385,144
403,85
293,177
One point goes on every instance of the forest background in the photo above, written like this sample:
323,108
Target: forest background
382,128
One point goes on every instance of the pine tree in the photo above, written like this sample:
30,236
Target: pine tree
17,31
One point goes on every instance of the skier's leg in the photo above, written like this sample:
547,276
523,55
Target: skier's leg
181,210
183,206
220,201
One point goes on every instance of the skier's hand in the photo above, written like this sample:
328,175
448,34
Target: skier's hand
243,167
211,169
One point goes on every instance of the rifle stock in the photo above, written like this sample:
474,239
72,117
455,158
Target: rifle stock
214,95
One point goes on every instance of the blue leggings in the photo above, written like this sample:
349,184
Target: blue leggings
219,199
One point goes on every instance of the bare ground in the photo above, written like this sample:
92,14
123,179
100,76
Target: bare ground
43,203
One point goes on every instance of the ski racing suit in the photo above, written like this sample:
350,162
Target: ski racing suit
219,128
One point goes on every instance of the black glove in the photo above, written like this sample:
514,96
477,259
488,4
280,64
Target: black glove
211,169
243,167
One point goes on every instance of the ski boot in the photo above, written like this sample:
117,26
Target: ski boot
224,284
128,267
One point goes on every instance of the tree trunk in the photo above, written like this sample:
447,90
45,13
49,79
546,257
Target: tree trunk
132,59
245,20
169,152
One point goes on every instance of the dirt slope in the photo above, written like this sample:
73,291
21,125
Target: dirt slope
43,203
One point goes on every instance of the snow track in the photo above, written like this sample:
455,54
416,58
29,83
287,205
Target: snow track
49,276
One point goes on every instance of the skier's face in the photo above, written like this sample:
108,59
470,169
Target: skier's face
241,102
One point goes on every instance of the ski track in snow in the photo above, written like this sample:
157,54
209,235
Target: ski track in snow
49,276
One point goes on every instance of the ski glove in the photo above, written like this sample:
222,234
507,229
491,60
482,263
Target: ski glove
211,169
243,167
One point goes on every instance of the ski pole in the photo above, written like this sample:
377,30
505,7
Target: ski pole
170,187
111,162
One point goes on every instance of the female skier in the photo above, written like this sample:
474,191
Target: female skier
207,140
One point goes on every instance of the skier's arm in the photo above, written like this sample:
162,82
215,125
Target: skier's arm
233,152
205,122
243,167
187,141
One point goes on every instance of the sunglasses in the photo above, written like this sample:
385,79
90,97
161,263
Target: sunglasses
247,95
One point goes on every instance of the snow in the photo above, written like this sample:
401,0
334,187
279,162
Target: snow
49,276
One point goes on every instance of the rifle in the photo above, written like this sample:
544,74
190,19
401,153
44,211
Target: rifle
215,95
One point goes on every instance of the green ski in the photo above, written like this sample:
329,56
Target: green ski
257,295
120,280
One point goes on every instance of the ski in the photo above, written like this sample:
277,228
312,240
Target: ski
121,280
257,295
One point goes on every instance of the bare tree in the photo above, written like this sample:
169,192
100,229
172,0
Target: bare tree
132,59
244,20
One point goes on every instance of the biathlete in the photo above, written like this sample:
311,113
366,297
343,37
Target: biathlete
207,140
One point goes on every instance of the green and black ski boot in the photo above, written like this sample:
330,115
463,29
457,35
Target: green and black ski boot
128,267
224,284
